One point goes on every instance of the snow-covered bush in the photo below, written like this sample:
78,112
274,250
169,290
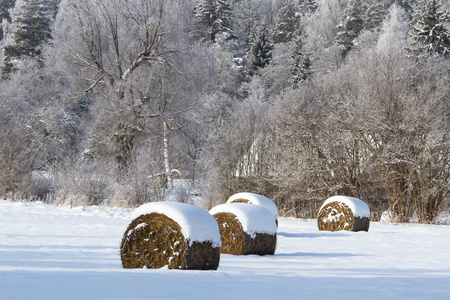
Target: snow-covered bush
443,218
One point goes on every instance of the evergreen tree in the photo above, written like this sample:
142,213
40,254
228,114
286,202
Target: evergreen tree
5,6
287,22
261,50
428,29
31,29
350,27
51,8
216,16
373,14
289,29
407,5
301,68
306,7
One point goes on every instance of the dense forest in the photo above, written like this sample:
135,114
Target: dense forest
297,100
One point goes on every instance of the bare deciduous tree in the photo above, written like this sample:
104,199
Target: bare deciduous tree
119,47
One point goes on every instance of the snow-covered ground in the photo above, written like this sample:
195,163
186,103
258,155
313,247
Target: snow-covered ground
49,252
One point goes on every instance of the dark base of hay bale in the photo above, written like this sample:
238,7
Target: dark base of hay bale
361,224
261,244
202,256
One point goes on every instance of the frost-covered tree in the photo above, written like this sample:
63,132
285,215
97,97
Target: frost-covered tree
373,13
429,29
287,22
289,29
307,6
234,153
51,7
261,50
128,59
39,129
407,5
113,47
350,27
216,16
5,6
247,15
302,67
389,61
31,30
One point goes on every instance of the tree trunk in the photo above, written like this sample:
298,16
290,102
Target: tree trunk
166,156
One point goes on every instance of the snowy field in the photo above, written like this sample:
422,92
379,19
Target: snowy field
59,253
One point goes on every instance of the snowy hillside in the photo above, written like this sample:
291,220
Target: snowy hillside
49,252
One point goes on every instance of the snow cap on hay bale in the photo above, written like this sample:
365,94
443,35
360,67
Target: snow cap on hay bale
343,213
255,199
245,229
177,235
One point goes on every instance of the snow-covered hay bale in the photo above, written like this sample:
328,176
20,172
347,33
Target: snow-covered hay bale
176,174
257,200
245,229
172,234
343,213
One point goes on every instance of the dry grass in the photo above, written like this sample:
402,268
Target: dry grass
231,234
240,201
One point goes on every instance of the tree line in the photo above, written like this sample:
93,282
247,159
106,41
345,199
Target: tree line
298,100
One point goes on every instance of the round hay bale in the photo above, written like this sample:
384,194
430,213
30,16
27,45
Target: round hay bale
256,199
172,234
343,213
176,174
245,229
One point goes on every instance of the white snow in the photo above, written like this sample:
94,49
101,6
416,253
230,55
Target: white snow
253,218
56,253
443,218
196,223
258,200
386,217
358,207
